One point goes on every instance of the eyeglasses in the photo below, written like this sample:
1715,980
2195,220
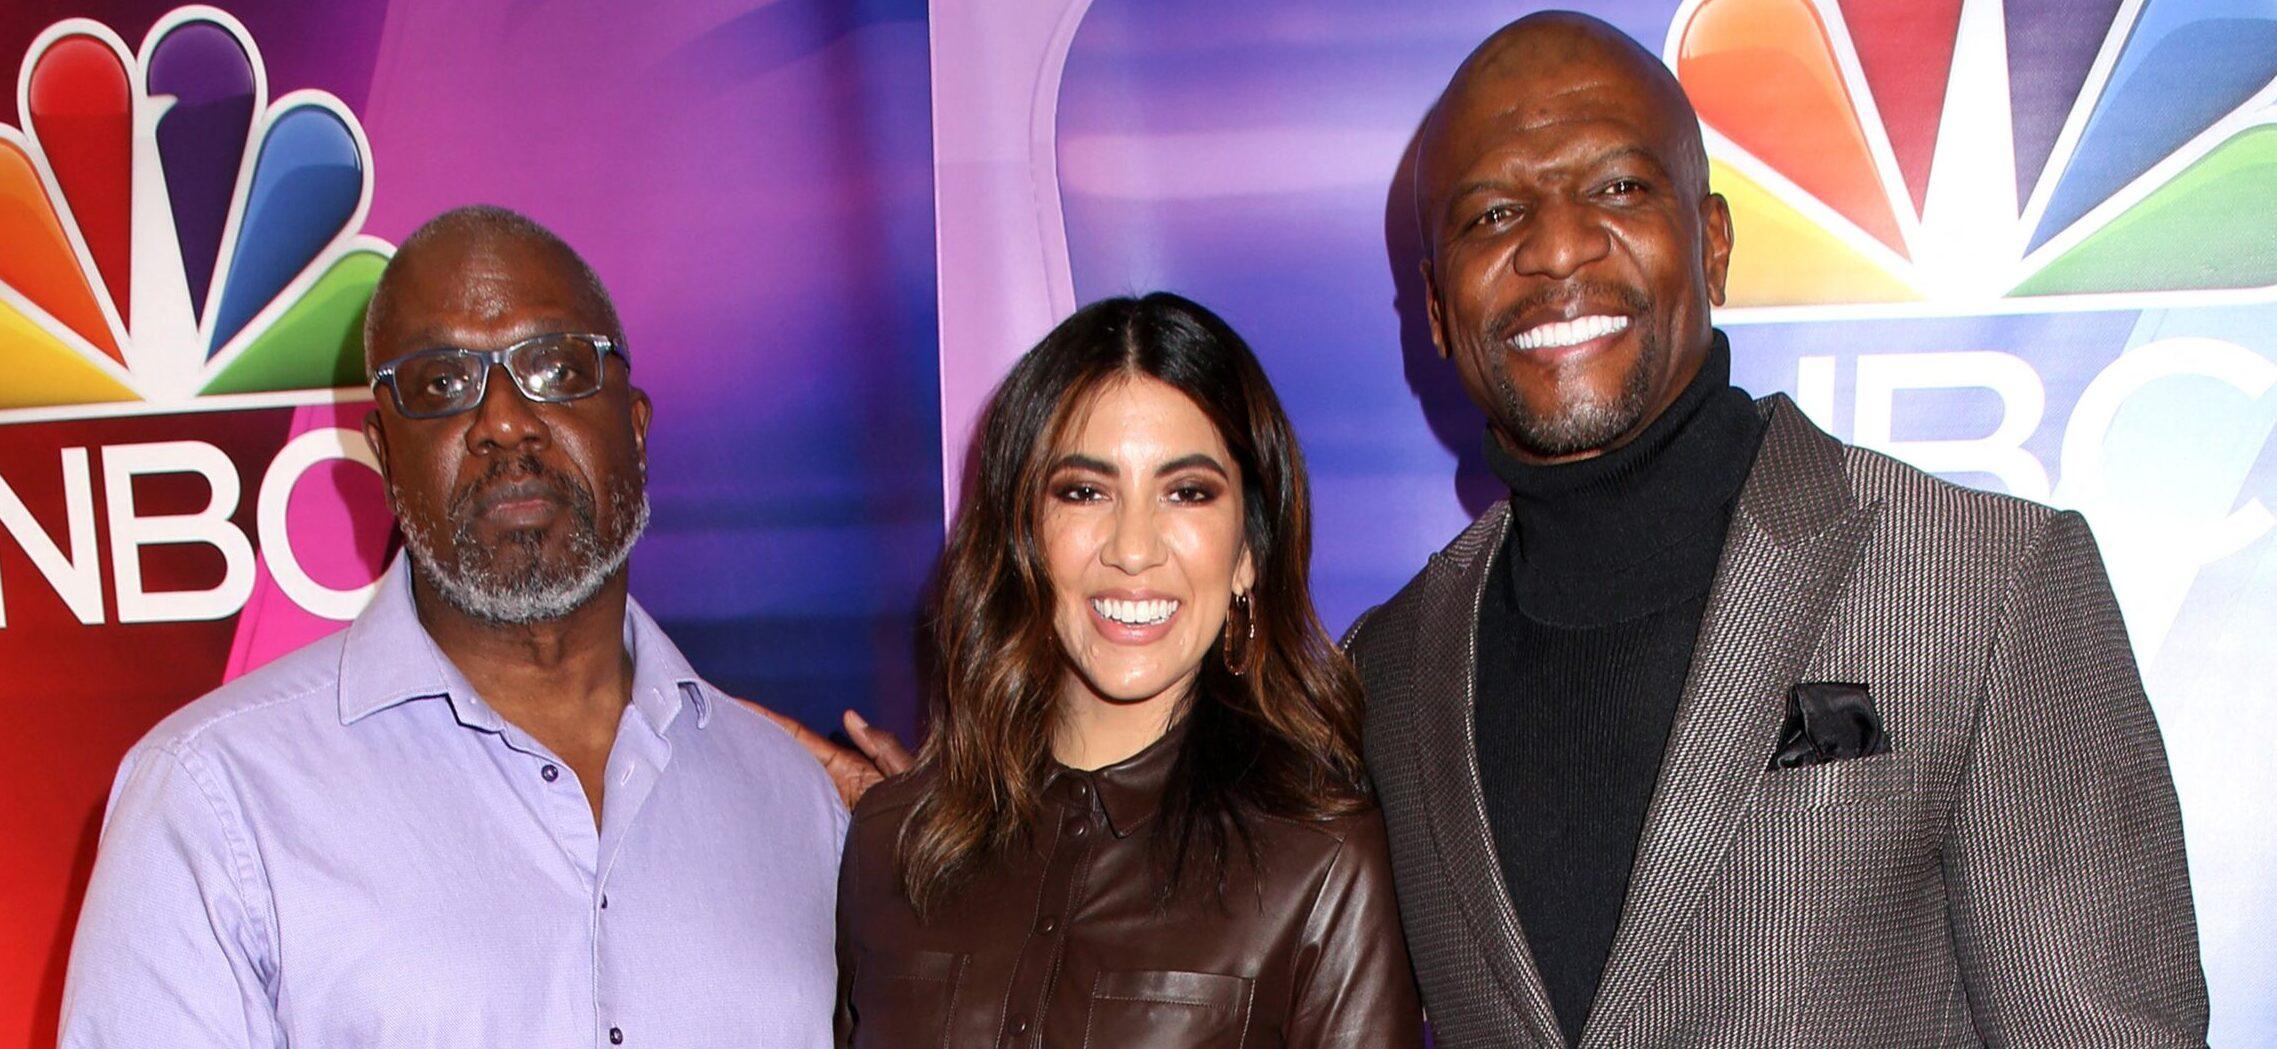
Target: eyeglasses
448,380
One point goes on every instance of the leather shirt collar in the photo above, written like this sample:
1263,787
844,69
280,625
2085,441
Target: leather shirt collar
1129,792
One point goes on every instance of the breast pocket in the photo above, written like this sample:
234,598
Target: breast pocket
1883,778
1167,1010
906,998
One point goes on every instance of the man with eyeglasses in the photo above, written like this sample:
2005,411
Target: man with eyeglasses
499,808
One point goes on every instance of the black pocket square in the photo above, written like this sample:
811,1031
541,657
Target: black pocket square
1829,721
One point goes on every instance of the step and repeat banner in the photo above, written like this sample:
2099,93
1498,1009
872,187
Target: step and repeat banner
194,204
2031,246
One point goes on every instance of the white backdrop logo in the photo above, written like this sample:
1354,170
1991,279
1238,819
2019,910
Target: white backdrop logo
177,242
1995,160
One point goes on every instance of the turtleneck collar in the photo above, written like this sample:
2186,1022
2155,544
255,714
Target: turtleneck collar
1610,538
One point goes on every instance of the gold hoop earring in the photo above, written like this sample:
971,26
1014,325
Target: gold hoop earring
1246,660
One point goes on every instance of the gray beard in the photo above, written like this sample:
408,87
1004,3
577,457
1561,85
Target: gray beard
534,590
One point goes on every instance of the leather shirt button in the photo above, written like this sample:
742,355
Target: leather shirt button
1080,829
1019,1025
1049,925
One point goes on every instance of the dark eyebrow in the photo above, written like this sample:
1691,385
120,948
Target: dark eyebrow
1465,190
1076,461
1196,461
1624,153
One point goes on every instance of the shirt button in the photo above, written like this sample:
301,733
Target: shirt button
550,773
1019,1026
1081,829
1083,790
604,901
616,1036
1049,925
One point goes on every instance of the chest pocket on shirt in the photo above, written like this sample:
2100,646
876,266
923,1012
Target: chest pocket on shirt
1167,1010
904,1000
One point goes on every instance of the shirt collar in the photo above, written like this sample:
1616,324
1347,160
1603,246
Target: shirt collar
387,658
1128,792
663,682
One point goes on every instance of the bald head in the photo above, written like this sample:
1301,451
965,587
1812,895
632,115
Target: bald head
1521,73
1572,247
472,238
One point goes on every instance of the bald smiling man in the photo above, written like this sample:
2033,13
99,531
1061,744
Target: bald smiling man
1718,732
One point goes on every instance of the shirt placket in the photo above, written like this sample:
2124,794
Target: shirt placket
555,798
635,764
557,801
1037,967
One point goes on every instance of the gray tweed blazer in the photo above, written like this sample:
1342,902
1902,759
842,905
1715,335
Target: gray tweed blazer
2010,874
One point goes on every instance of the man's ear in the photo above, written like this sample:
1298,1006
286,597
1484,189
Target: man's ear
642,410
1431,307
376,439
1715,249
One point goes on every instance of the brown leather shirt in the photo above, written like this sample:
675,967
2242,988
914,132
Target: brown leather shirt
1058,943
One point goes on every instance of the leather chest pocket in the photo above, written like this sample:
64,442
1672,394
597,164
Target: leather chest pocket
906,999
1883,778
1167,1010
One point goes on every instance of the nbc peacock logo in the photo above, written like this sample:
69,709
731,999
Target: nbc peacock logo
176,238
1981,155
183,278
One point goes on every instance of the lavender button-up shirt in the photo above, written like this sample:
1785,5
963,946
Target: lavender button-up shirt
349,847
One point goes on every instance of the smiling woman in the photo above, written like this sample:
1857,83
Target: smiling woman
1142,540
1141,814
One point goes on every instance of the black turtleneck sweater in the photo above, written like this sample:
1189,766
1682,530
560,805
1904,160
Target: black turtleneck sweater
1585,637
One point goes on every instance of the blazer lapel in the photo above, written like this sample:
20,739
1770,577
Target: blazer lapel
1447,751
1792,546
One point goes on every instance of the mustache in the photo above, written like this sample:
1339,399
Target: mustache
517,477
1505,323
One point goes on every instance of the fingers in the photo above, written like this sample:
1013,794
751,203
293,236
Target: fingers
850,773
884,750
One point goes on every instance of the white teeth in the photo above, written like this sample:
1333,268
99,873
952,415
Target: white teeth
1134,613
1568,333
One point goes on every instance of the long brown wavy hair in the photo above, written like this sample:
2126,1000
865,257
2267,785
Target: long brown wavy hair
1282,740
